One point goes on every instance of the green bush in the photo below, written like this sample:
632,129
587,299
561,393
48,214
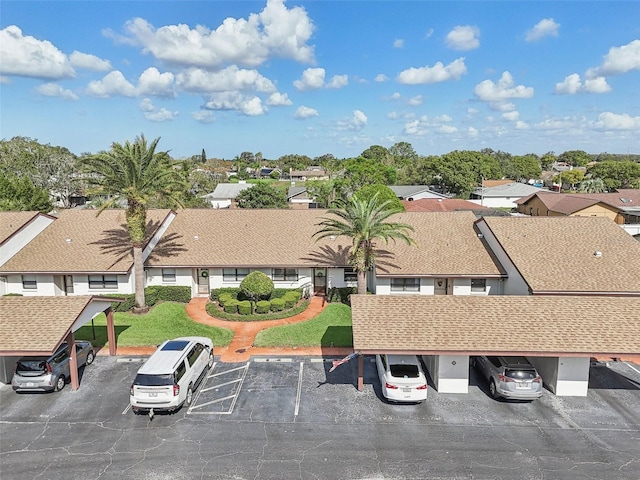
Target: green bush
256,285
341,294
231,306
244,307
152,295
216,292
12,295
277,305
281,292
263,306
289,300
224,298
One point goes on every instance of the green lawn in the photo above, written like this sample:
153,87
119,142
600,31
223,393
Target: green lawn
169,320
165,320
331,328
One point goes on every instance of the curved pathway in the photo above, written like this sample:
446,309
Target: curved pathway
244,333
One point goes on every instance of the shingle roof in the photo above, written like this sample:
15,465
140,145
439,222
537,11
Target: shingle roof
37,323
11,222
441,205
557,254
568,203
80,241
513,190
533,325
447,242
228,190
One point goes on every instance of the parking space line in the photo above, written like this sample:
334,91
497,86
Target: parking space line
297,408
217,400
632,367
217,385
226,371
203,388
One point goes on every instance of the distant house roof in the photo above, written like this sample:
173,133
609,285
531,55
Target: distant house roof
496,183
496,324
406,192
511,190
569,254
313,171
82,241
297,192
227,191
626,200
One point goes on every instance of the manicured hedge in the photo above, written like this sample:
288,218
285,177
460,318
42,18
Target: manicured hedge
244,307
263,306
152,295
341,294
231,306
277,305
237,294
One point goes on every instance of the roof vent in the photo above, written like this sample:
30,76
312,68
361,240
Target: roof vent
597,254
68,240
196,237
625,200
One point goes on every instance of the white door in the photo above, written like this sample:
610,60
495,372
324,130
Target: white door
440,285
203,281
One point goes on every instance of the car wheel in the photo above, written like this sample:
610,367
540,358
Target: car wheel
492,389
210,363
60,382
189,399
90,357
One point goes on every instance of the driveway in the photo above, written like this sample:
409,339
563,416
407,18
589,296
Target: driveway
289,418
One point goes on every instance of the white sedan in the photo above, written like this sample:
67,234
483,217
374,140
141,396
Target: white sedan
402,378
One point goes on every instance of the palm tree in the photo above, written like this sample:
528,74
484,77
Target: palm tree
363,220
135,172
592,185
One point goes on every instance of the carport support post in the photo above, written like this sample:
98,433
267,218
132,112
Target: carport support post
360,372
111,332
73,361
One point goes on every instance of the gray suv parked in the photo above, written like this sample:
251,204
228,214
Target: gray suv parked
510,377
48,374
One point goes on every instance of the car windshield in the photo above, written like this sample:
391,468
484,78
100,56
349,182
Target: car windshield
402,370
520,374
31,365
153,380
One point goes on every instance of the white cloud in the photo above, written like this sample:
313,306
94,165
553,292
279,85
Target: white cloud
274,32
619,60
55,90
415,128
463,37
152,82
312,79
546,27
381,77
512,116
428,33
357,121
248,105
112,84
447,129
437,73
338,81
232,78
398,43
155,114
617,121
572,84
278,99
203,116
499,94
472,132
303,112
89,62
27,56
416,101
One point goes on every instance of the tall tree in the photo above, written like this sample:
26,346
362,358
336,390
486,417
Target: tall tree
136,173
19,193
262,195
365,222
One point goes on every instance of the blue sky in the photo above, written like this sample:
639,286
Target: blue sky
318,77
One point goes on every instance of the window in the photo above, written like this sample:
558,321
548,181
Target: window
194,354
179,373
234,274
405,284
285,274
169,275
103,281
29,282
350,275
478,285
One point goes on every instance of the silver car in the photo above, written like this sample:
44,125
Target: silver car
47,374
510,377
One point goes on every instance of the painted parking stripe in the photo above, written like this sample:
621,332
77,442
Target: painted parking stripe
632,367
195,406
298,393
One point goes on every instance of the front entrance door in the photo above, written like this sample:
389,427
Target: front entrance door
440,285
203,281
319,281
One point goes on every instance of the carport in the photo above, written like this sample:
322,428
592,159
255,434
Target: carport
38,325
559,334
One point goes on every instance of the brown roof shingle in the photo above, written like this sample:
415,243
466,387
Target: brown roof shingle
533,325
558,254
11,222
80,241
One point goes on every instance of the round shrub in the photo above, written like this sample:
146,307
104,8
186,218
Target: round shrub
244,307
263,306
256,285
231,306
277,304
289,301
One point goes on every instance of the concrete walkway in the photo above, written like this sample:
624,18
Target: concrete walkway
241,348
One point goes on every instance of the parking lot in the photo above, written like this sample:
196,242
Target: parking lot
291,418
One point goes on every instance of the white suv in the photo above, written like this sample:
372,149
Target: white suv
169,377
